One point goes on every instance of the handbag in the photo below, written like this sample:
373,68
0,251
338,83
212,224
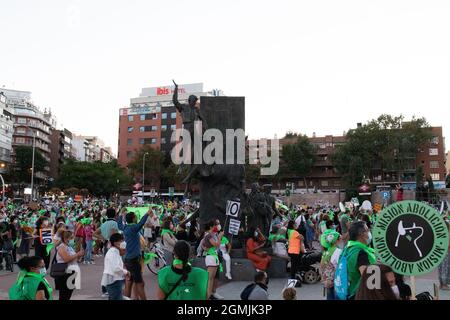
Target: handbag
57,269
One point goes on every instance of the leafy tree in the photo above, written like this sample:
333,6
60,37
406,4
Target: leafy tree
291,134
387,144
299,157
21,170
171,175
154,165
100,179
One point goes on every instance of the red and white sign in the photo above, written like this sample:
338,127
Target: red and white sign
168,90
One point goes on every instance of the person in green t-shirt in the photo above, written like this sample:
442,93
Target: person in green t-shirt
180,281
359,254
31,283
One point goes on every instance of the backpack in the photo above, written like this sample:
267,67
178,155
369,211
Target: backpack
341,282
16,291
247,291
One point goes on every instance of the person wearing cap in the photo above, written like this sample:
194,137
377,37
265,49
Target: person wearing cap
329,240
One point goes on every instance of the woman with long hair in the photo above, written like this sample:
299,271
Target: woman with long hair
387,289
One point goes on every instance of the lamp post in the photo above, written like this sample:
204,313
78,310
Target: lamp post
3,189
32,165
143,175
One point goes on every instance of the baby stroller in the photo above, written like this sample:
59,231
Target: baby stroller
309,267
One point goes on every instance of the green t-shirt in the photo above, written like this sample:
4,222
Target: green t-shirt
194,288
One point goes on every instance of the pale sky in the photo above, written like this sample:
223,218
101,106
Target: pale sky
307,66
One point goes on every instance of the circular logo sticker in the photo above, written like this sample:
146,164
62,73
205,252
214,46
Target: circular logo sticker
411,237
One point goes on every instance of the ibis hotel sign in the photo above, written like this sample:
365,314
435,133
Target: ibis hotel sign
411,237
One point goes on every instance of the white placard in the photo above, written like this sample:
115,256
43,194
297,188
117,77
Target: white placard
27,191
234,227
233,208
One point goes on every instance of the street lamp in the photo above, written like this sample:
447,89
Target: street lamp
32,165
3,189
143,175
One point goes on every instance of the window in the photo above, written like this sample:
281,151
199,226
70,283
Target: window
163,140
434,164
301,184
130,129
173,127
20,140
130,118
435,140
130,154
435,176
20,130
129,142
434,152
164,127
337,183
173,115
147,140
148,128
21,120
148,116
324,183
164,116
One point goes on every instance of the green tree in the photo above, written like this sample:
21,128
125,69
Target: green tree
299,157
21,170
387,144
291,134
171,176
100,179
154,165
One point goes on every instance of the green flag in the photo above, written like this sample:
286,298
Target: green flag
148,257
49,247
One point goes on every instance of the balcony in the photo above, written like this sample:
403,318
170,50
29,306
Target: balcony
30,134
35,125
42,147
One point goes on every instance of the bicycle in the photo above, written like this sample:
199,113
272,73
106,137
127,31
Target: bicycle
155,257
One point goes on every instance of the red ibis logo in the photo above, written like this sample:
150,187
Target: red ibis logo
162,91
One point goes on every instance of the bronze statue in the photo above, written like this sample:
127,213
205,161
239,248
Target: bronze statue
189,113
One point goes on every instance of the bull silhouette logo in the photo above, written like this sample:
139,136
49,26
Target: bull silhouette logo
409,234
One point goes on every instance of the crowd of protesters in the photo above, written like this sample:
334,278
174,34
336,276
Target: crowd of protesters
82,231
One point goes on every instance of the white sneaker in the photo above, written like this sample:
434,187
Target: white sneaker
105,295
228,276
217,296
126,298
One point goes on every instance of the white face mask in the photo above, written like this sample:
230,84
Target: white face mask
396,291
369,239
123,245
219,227
43,271
255,234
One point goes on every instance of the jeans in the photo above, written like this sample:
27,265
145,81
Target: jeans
88,253
226,257
330,294
115,290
